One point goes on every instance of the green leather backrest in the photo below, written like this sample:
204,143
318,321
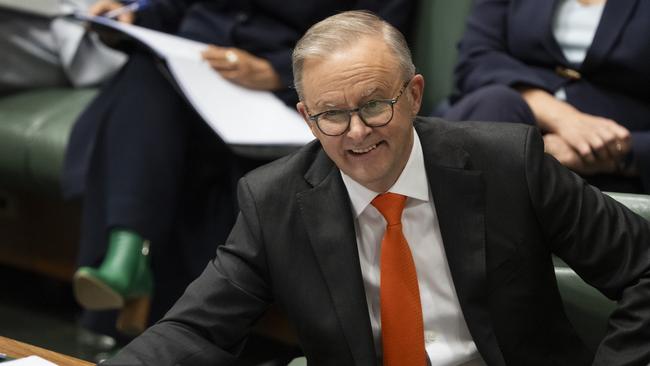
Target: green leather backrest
439,26
638,203
34,130
585,306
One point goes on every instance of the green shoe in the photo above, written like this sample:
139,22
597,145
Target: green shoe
124,274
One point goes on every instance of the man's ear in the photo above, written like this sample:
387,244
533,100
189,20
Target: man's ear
302,109
416,92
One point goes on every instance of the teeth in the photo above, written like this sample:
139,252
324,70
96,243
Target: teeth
363,151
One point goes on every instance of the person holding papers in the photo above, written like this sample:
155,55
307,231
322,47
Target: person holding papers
157,183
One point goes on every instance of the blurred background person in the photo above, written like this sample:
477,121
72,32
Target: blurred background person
575,68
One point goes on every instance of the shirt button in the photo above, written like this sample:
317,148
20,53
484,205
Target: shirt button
430,336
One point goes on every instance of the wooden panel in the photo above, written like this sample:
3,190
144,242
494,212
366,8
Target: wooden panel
17,349
38,233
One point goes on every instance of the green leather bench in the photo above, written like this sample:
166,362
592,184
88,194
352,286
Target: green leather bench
38,230
34,129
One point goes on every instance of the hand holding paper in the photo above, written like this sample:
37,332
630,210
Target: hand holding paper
240,115
116,10
242,68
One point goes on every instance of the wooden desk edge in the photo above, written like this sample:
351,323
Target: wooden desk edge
16,349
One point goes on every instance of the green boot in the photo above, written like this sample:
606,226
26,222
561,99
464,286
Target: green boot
123,276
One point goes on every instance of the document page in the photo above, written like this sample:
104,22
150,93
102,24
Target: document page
240,116
29,361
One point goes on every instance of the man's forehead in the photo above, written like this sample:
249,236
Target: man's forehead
326,80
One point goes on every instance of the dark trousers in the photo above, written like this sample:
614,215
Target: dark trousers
159,170
503,104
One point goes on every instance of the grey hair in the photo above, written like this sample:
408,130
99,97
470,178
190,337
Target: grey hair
343,30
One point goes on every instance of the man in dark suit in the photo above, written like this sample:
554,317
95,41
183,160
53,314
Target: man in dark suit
483,210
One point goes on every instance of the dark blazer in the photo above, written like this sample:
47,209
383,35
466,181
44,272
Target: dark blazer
510,42
503,208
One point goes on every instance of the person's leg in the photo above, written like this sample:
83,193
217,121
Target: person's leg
133,184
492,103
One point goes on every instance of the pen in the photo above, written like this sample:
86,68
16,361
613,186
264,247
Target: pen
132,7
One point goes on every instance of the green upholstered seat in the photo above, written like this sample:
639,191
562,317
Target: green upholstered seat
34,130
638,203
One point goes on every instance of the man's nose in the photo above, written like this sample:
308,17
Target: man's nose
358,130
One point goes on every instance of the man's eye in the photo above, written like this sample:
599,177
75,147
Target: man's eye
333,115
374,106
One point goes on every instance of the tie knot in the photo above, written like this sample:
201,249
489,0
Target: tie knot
390,205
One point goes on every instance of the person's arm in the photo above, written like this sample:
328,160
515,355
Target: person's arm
483,56
209,324
604,242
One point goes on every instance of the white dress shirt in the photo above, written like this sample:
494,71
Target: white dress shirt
574,29
447,339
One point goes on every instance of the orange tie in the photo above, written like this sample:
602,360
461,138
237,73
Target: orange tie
402,331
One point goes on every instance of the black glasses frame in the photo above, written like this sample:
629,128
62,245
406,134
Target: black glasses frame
315,118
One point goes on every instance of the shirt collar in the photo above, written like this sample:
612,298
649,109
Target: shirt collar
412,182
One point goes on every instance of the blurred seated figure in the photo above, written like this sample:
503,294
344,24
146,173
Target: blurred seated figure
51,52
575,68
157,183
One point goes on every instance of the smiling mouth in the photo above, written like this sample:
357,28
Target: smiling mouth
365,150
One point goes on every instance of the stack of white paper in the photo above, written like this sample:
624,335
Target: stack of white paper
239,115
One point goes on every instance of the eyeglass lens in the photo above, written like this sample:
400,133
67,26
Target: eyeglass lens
374,113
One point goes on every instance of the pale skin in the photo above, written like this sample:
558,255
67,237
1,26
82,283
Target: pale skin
248,71
347,78
583,142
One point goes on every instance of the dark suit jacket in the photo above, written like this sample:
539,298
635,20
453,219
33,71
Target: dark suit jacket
503,208
510,42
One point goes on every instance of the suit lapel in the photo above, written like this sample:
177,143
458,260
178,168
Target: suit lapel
328,217
615,15
543,22
458,195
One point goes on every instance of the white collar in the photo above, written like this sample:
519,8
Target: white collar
412,182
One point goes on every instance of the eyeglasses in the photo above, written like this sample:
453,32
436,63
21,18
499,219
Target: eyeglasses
375,113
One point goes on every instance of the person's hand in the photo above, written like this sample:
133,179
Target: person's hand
243,68
567,156
104,6
595,139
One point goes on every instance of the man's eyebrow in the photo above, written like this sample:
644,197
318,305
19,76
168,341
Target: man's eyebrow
326,104
367,94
